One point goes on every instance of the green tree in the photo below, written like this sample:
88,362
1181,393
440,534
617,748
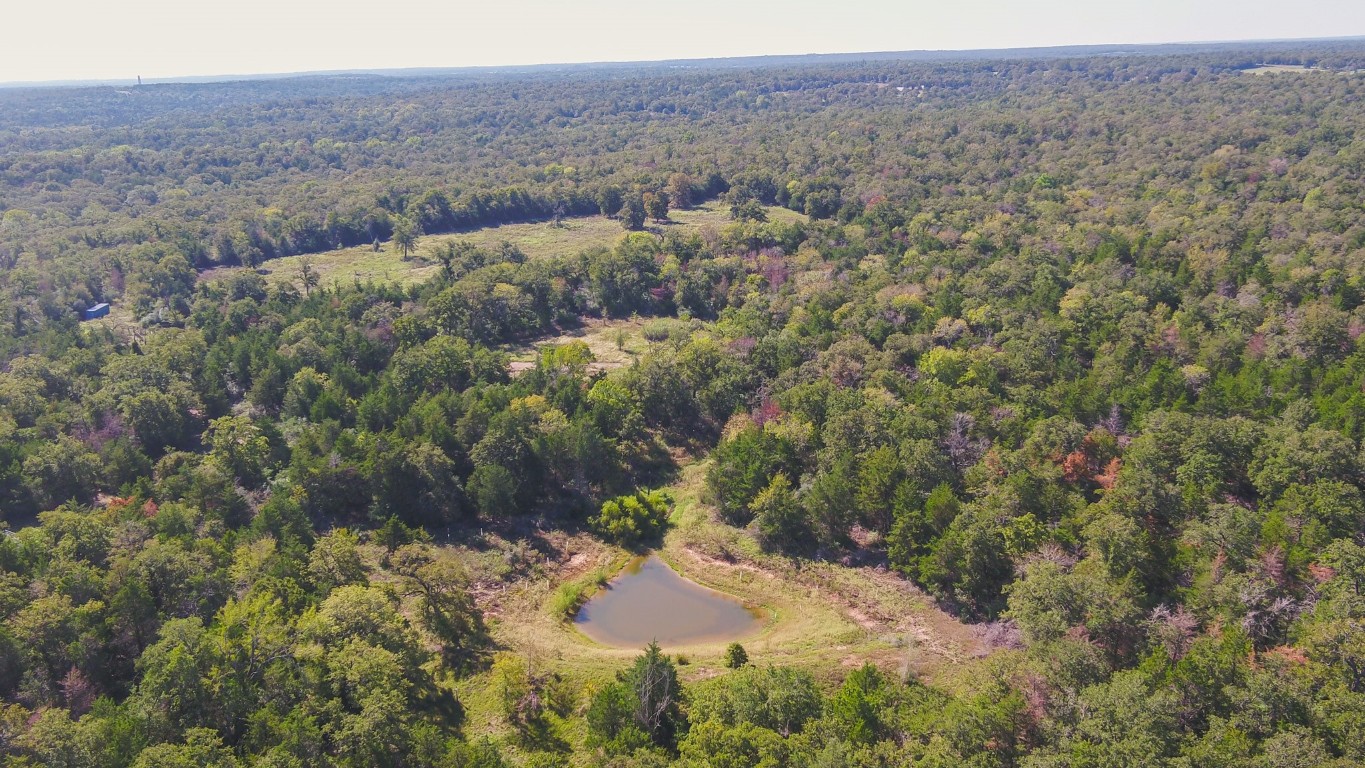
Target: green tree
656,205
631,520
611,721
633,215
781,699
1047,602
610,200
714,745
308,275
373,686
915,529
743,466
644,706
494,490
303,391
60,471
201,747
405,234
241,447
679,190
658,697
969,563
161,420
748,209
622,277
735,656
520,702
172,687
335,560
52,738
858,705
779,518
878,478
45,633
417,483
448,610
1121,722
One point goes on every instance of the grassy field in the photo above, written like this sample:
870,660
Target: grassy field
1268,69
823,617
613,343
537,240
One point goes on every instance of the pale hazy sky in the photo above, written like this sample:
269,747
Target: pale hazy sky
84,39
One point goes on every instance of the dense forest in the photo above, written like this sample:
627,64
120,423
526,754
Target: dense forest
1069,344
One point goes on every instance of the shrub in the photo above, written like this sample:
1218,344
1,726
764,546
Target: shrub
736,656
658,330
629,520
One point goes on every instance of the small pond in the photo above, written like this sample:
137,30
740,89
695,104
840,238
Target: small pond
650,601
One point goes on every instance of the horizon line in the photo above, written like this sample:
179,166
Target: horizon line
136,80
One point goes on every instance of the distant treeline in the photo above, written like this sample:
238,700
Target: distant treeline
119,194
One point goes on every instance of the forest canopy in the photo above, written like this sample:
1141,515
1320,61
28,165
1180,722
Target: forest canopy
1069,345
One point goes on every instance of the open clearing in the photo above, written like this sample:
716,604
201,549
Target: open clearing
613,343
823,617
1268,69
537,240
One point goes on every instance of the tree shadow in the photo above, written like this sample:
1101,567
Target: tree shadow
538,735
442,705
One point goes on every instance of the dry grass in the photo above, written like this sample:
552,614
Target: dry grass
613,343
1267,69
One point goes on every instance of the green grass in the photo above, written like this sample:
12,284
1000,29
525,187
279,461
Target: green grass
571,595
536,240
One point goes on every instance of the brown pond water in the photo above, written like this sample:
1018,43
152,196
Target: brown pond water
650,601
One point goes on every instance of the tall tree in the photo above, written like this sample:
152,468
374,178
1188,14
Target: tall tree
308,275
679,190
656,205
658,696
633,215
405,234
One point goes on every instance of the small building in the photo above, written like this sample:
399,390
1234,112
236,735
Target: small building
99,310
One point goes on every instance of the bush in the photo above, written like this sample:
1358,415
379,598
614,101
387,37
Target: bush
657,330
629,520
736,656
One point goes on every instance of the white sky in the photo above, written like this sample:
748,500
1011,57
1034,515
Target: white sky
97,39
